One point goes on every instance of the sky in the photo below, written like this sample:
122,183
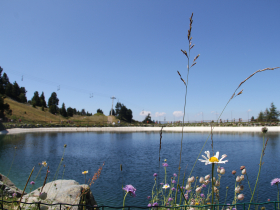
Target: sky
89,51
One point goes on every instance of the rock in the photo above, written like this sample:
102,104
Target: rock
63,191
9,187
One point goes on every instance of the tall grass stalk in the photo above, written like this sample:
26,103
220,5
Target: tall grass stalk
260,167
25,186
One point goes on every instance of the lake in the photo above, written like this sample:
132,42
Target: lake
139,155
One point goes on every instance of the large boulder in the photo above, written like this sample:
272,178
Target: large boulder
63,191
8,187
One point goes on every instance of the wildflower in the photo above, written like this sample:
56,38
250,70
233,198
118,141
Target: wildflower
275,181
155,175
214,159
206,182
170,199
130,189
191,179
173,181
65,145
264,129
85,172
14,195
201,180
165,186
175,175
165,160
207,177
149,205
217,183
43,196
49,171
173,188
149,197
202,195
161,183
155,204
238,179
233,172
44,163
186,196
242,167
216,189
203,185
218,169
242,177
164,164
188,187
32,182
223,171
237,189
198,190
240,197
243,171
268,200
241,187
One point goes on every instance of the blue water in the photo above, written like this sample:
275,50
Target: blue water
139,155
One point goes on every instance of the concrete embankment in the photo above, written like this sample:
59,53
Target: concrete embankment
139,129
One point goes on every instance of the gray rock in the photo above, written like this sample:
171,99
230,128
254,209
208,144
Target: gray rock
9,187
63,191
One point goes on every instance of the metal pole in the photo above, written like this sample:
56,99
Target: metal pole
112,104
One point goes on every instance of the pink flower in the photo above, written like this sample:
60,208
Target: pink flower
275,181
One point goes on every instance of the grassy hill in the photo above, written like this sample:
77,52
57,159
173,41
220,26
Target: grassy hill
29,114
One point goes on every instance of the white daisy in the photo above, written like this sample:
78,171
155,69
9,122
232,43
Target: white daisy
214,159
165,186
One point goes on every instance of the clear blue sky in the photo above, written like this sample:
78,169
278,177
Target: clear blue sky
131,50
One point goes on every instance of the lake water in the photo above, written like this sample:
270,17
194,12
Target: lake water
139,155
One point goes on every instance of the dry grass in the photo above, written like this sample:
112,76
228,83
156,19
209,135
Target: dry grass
27,113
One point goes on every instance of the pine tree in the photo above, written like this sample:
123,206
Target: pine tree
273,113
42,100
36,99
53,103
63,110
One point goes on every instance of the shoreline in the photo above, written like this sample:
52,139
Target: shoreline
139,129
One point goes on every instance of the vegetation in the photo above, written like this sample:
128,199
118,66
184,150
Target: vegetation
123,113
269,115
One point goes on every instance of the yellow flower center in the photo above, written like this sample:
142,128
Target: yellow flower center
213,160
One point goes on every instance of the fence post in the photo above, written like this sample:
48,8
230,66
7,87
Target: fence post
60,206
243,206
275,205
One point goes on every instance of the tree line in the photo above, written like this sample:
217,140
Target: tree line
270,114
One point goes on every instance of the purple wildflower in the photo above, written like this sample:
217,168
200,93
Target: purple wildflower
186,196
203,185
130,189
32,182
149,205
275,181
155,175
173,181
233,208
175,175
173,188
202,195
155,204
162,183
14,195
170,199
149,197
164,164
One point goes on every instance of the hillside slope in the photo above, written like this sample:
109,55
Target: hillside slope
27,113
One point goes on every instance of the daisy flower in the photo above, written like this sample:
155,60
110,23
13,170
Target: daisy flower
215,159
165,186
